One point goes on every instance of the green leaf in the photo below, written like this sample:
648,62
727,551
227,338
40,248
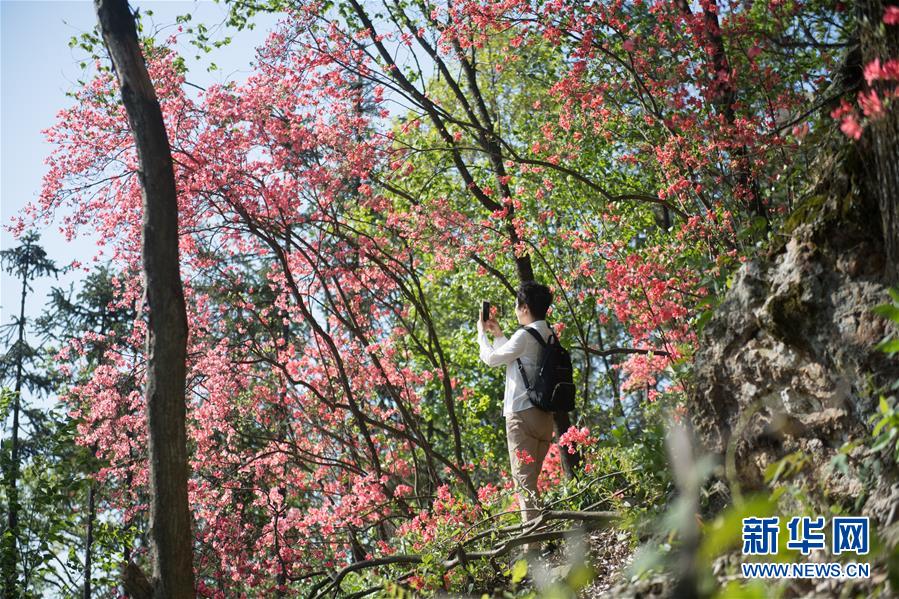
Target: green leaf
726,530
888,311
888,345
703,319
519,571
884,440
849,446
580,576
840,463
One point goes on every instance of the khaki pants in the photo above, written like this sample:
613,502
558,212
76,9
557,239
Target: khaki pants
528,431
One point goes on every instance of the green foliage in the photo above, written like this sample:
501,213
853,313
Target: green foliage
627,472
55,474
890,311
886,429
7,397
519,571
240,14
754,589
724,533
886,421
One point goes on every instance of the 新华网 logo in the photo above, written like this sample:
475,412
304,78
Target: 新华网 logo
848,535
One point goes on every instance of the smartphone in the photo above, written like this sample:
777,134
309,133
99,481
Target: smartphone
485,311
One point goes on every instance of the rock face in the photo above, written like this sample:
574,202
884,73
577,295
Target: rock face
787,362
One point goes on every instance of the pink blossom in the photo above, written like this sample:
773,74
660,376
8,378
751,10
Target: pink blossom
851,127
891,15
523,456
402,491
574,437
888,71
870,103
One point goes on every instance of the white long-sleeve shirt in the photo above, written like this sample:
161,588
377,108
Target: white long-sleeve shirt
505,351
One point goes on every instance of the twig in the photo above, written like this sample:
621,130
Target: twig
620,350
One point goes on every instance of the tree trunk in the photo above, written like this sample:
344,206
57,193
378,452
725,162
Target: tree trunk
880,141
570,461
170,522
89,540
724,94
11,544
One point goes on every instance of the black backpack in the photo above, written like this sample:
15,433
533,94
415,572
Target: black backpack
553,389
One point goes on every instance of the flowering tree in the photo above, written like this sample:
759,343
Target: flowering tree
386,164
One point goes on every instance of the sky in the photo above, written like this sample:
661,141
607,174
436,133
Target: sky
37,68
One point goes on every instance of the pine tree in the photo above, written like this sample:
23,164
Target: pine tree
19,367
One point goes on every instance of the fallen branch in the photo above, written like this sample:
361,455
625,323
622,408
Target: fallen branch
530,533
364,564
521,526
591,520
512,543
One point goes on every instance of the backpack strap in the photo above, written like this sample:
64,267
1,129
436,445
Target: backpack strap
524,377
539,338
537,335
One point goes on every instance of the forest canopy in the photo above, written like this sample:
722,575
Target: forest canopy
385,167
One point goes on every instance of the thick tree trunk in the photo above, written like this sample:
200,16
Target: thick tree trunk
170,523
880,141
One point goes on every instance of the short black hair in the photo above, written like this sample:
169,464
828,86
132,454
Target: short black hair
536,297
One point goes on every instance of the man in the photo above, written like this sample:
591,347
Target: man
529,430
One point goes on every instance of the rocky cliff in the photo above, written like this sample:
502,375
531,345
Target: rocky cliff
788,360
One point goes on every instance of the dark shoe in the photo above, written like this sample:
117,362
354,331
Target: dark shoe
549,549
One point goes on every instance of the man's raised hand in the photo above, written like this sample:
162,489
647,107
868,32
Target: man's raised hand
492,327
